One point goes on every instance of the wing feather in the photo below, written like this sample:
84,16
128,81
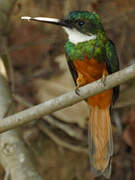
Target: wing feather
112,63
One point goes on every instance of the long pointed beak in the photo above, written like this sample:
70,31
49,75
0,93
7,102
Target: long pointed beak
55,21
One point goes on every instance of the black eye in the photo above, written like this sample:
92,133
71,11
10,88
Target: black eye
81,23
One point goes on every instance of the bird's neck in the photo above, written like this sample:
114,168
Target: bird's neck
93,48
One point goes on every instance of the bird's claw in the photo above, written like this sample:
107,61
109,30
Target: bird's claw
77,90
103,79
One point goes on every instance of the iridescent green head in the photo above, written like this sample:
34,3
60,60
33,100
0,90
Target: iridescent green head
85,22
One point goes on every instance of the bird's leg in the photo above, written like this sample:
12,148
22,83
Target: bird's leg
103,78
77,89
80,82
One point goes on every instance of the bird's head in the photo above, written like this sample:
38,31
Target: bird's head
79,25
85,22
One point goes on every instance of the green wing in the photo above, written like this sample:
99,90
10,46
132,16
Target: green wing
112,63
72,69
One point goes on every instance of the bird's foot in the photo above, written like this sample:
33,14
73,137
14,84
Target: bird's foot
103,79
77,90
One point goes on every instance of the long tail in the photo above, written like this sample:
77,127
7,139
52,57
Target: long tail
100,141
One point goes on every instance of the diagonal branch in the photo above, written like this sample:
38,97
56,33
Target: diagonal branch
67,99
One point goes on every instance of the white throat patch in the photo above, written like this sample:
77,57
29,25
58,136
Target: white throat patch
76,37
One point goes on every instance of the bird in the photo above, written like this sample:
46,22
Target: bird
91,55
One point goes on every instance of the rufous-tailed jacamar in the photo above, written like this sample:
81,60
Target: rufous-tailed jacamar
91,55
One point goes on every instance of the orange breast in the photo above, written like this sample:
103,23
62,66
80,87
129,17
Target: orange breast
90,70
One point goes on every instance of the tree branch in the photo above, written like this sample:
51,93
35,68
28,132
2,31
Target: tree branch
67,99
60,141
14,156
73,132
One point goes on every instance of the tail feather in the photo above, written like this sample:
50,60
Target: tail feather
100,141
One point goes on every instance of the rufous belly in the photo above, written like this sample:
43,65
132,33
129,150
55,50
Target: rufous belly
90,70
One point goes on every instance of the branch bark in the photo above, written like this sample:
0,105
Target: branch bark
67,99
73,132
14,156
